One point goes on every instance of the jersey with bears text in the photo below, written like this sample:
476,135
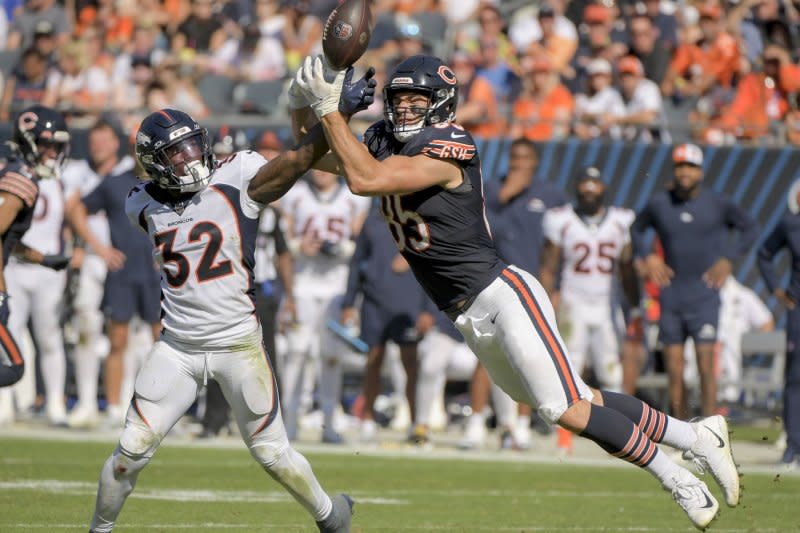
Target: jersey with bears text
329,217
589,251
443,234
17,179
205,246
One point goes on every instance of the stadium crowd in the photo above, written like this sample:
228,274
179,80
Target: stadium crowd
720,72
641,71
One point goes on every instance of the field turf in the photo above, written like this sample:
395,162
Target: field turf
50,486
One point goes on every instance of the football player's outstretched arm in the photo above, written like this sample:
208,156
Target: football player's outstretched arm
366,176
275,178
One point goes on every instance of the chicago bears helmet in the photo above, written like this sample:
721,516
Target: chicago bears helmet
426,75
175,151
42,140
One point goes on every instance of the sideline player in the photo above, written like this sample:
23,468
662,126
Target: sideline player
203,219
589,243
693,224
40,147
426,170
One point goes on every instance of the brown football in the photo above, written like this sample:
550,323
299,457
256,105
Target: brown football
347,32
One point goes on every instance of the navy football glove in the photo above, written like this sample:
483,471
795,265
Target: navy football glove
359,95
56,262
4,310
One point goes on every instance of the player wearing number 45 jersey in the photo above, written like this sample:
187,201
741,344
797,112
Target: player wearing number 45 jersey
202,217
426,170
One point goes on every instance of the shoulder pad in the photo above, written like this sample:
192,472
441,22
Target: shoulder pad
443,141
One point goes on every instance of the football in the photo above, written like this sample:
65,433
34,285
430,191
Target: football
347,32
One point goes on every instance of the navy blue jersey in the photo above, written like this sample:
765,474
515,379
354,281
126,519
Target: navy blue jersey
371,273
17,178
517,225
443,234
786,234
109,196
694,233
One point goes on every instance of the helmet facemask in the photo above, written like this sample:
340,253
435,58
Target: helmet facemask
408,120
182,166
48,154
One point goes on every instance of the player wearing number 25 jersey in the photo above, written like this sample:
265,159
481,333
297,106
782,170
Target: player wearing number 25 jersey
202,217
426,170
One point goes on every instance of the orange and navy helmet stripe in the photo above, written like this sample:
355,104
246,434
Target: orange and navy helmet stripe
545,332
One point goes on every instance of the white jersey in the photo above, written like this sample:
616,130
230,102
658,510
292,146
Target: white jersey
741,310
79,176
205,247
44,235
589,250
330,217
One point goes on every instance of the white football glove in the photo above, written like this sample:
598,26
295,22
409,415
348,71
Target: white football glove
297,97
321,84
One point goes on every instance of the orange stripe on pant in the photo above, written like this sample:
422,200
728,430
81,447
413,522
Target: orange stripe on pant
547,334
10,346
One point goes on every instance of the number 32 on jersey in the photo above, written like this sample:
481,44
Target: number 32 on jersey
208,268
408,228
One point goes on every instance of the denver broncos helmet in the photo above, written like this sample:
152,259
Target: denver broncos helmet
42,140
175,151
426,75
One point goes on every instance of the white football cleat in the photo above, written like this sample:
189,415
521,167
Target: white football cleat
82,417
712,453
369,430
694,498
474,434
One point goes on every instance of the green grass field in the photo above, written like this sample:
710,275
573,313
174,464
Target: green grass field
50,486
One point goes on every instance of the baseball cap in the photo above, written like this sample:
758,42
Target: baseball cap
598,66
43,27
269,140
688,153
630,65
590,173
596,13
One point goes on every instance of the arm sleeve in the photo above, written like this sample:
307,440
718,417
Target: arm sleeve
772,245
736,217
360,256
643,221
281,246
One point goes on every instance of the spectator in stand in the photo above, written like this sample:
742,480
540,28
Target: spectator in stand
493,68
433,23
698,68
129,99
116,19
477,107
544,109
26,84
250,58
174,89
408,37
143,45
643,117
33,12
199,35
761,100
45,41
302,32
694,225
666,24
527,27
598,42
490,29
79,87
792,120
760,22
601,104
647,45
559,45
